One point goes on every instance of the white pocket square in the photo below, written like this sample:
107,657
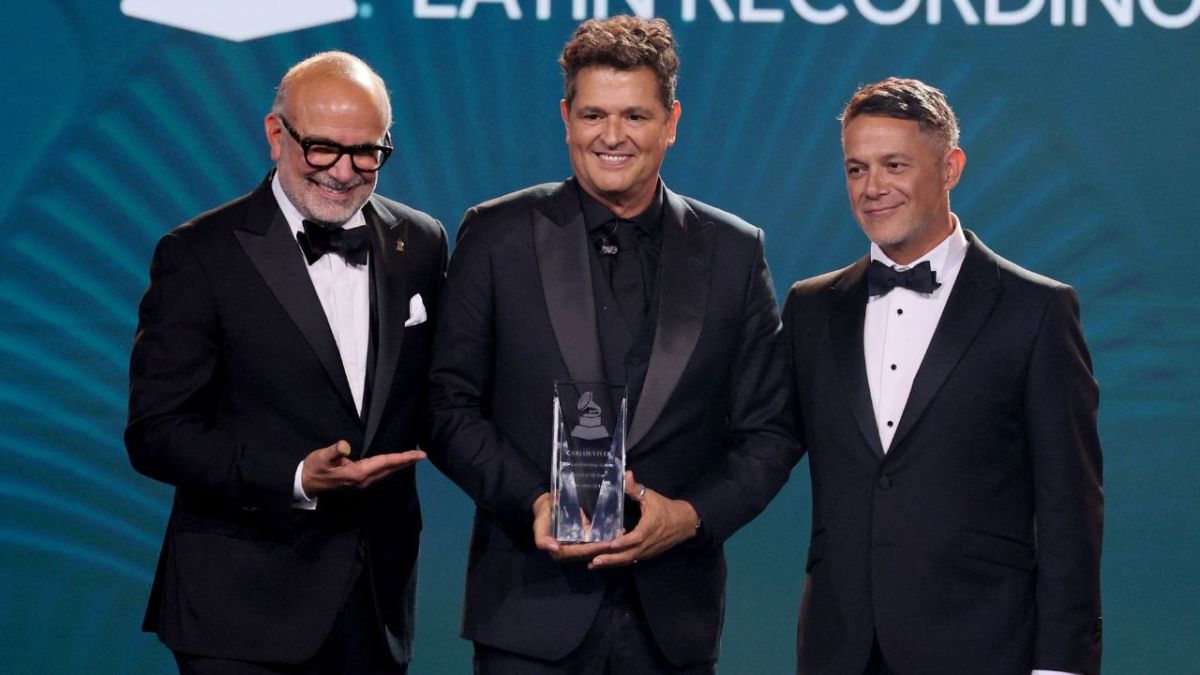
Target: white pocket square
416,311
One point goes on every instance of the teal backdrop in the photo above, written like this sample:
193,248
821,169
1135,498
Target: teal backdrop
1083,151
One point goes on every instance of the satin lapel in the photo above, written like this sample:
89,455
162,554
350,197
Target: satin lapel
848,308
391,306
684,277
970,303
561,245
273,251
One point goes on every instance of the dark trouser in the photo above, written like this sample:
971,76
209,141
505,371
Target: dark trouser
876,665
619,642
355,646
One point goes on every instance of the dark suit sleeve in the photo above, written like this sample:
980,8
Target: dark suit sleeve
786,358
434,287
1061,404
762,450
172,374
466,445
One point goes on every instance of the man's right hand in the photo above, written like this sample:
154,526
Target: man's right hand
543,539
330,468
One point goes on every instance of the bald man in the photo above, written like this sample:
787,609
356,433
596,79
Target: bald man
277,381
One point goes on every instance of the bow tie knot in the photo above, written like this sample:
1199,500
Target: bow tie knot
881,278
316,240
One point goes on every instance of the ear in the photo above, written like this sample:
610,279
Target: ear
566,117
954,161
673,123
274,132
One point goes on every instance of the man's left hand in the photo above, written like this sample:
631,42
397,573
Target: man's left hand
665,523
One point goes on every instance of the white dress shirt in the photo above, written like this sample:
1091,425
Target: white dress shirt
345,293
899,326
896,334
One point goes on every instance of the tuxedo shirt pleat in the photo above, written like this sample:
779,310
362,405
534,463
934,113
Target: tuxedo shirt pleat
345,294
898,328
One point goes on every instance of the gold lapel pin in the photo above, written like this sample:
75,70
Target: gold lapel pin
400,246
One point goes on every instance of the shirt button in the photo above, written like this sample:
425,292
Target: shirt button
899,311
884,482
889,423
893,366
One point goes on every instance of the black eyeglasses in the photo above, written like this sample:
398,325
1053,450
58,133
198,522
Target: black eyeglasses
322,154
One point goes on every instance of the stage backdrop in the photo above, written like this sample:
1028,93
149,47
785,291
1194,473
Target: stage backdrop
122,119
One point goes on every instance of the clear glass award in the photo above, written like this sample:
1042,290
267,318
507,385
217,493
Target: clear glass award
588,466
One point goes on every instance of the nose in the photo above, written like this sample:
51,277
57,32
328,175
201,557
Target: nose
875,185
342,169
611,134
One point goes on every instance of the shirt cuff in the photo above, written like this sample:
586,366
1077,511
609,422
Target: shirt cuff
299,499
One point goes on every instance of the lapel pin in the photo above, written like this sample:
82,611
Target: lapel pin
400,246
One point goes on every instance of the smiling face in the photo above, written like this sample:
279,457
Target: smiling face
618,132
899,181
343,109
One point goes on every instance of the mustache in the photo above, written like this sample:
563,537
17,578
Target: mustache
326,180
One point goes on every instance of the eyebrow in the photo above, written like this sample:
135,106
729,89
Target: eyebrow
624,111
323,140
886,158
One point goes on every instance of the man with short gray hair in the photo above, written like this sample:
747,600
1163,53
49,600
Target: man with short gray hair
946,400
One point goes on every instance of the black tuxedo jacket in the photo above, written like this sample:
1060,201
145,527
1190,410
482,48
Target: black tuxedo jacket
519,314
973,545
235,377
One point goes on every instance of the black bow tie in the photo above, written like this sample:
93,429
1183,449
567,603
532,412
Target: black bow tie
316,240
883,278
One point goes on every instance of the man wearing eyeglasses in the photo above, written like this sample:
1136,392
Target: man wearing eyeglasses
277,382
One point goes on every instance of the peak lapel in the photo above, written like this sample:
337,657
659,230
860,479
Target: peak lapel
268,241
970,303
391,306
684,277
847,312
561,246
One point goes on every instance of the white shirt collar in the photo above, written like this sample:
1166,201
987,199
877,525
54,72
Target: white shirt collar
945,256
292,215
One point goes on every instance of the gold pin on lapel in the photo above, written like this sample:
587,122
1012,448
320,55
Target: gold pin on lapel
399,246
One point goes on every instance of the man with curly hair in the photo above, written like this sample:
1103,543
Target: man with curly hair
609,276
